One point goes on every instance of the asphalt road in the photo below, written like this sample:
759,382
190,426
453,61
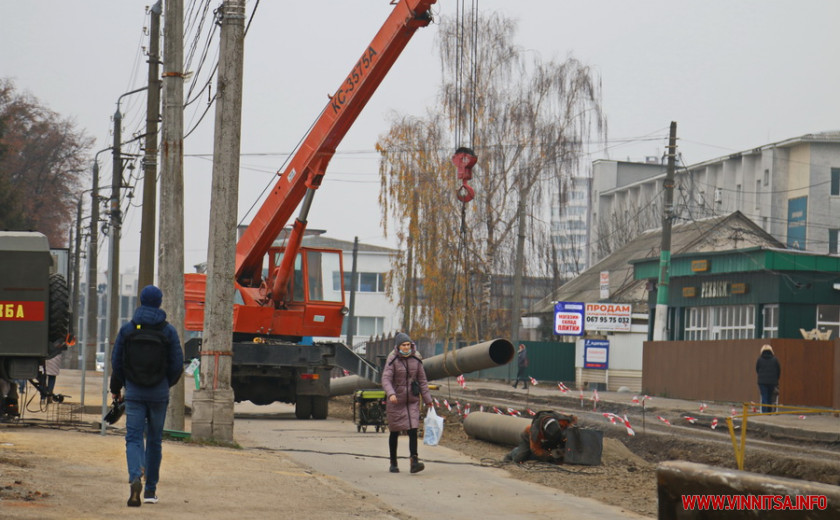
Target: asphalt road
452,486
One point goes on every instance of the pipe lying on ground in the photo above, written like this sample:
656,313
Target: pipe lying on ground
349,384
453,363
495,428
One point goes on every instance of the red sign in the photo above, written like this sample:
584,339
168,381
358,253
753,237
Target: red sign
21,311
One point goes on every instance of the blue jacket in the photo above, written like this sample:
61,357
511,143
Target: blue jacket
148,316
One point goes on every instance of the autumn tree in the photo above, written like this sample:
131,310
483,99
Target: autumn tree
529,123
42,159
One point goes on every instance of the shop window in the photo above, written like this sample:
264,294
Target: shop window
724,322
770,319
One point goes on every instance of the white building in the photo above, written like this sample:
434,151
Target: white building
791,189
374,313
569,228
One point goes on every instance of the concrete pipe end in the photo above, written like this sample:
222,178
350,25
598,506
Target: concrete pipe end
501,351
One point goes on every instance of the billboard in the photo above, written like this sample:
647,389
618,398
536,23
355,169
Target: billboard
568,318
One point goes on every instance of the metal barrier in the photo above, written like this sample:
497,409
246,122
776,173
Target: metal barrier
740,449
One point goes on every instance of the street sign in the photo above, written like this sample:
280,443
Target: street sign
596,353
568,318
612,317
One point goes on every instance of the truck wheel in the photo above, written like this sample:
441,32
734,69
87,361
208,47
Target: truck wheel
303,406
320,407
59,318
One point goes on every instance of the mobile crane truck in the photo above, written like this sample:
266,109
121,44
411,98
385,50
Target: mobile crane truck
274,313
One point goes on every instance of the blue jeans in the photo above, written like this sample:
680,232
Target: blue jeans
144,417
766,392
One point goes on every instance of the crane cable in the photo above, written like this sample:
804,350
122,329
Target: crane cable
464,157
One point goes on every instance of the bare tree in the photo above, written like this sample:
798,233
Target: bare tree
41,162
529,122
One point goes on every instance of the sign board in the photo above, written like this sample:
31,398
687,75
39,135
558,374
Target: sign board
604,285
596,353
568,318
614,317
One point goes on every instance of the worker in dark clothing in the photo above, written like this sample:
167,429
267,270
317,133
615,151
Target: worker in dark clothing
769,371
544,439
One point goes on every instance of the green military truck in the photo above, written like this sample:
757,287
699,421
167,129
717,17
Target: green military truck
34,312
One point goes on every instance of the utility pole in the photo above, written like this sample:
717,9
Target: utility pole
89,346
76,271
516,304
351,317
171,243
114,230
660,323
114,257
409,296
146,273
213,403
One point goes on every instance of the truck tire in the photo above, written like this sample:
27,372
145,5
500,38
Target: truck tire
59,318
320,407
303,406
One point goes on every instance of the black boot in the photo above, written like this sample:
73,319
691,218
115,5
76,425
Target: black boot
416,466
394,468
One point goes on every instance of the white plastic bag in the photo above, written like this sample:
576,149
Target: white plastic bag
432,427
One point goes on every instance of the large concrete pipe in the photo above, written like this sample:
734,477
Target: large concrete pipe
450,364
678,479
349,384
469,359
495,428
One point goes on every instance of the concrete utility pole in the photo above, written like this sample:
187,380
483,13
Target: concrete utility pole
213,403
76,272
92,302
146,274
171,243
351,317
516,304
114,256
660,324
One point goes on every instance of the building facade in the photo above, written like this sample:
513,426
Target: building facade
749,293
570,228
791,189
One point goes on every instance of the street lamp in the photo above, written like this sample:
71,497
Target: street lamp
114,257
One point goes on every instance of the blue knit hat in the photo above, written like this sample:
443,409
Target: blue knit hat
151,296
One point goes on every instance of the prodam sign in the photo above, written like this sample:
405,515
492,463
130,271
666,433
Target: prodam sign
568,318
612,317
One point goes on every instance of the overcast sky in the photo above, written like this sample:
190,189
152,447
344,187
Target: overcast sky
734,74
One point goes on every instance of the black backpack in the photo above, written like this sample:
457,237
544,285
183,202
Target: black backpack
146,354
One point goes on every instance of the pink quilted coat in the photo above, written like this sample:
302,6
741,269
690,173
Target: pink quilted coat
399,371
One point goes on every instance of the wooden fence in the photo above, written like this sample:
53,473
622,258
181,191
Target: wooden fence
724,370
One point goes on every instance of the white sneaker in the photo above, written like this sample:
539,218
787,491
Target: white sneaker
150,497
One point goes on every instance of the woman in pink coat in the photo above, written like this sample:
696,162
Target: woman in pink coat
403,407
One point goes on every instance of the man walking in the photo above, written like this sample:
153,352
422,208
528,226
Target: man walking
147,360
521,367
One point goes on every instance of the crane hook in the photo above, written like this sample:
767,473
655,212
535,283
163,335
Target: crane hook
464,159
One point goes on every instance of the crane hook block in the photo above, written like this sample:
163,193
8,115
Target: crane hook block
464,159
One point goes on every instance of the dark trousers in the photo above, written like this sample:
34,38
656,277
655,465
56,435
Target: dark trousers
521,375
412,444
767,399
